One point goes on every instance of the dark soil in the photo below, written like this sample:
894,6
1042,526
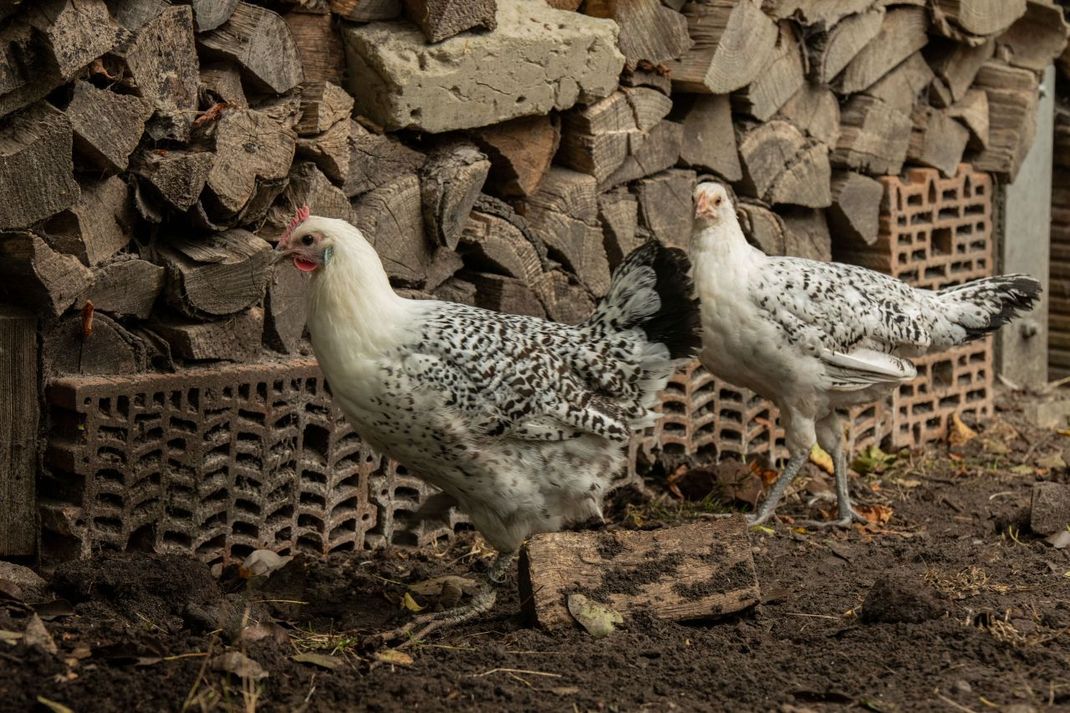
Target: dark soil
952,605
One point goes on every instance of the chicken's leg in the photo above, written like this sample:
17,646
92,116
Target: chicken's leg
845,512
786,476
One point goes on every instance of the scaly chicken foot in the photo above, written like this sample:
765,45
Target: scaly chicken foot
846,514
787,475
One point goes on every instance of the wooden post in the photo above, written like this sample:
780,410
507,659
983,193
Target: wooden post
19,411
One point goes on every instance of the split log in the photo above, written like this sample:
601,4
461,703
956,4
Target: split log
563,213
444,265
329,150
26,71
286,309
235,339
572,5
972,112
494,245
709,138
956,65
75,32
966,20
456,290
505,294
391,219
253,155
133,14
937,140
161,60
833,50
177,177
366,10
322,106
874,137
778,82
1036,38
210,14
107,126
647,76
35,276
450,182
733,42
126,287
520,152
763,228
319,47
696,571
649,31
572,303
901,87
97,226
19,419
222,81
658,150
618,211
806,233
261,43
284,109
215,275
596,139
854,216
780,166
815,110
1012,102
307,186
108,349
666,206
903,32
442,19
377,160
36,168
819,14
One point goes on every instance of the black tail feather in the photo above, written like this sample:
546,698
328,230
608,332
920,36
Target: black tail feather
1004,296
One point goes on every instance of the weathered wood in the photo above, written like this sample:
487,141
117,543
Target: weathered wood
733,41
214,275
763,228
874,137
106,348
456,290
210,14
75,32
26,67
972,112
126,286
260,41
854,216
222,83
97,226
695,571
563,213
176,176
322,106
319,47
450,182
597,139
903,32
666,206
814,110
618,211
36,169
648,76
1012,101
330,151
494,245
572,303
806,233
571,5
366,10
937,140
35,276
376,160
252,153
819,14
505,294
780,166
901,88
284,109
833,50
307,186
961,20
133,14
442,19
709,139
1036,38
286,308
391,218
19,415
649,31
658,150
778,82
234,339
956,65
161,60
107,126
520,151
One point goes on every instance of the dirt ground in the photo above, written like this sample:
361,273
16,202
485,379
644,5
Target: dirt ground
966,611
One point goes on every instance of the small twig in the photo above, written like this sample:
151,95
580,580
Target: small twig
516,670
953,704
813,616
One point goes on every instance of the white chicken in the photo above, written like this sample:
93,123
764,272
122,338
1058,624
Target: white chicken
816,337
522,421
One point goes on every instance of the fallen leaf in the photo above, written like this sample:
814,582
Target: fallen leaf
995,447
393,656
958,433
907,483
261,563
875,514
1060,540
598,619
240,665
37,636
1063,431
263,630
872,460
822,460
409,603
1023,470
321,660
9,637
1052,461
768,475
433,587
53,705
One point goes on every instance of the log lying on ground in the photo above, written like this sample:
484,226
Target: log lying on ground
261,43
854,216
162,60
937,140
709,138
36,168
107,126
1049,511
391,218
126,286
649,31
442,19
520,152
874,137
376,160
34,275
733,42
695,571
778,82
780,166
97,226
233,339
450,182
903,32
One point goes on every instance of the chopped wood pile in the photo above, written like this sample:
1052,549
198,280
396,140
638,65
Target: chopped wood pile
505,153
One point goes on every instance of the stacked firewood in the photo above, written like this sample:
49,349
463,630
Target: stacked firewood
505,153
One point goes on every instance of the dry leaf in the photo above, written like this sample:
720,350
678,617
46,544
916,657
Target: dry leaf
1052,461
321,660
240,665
394,657
433,587
54,706
875,514
768,475
958,433
822,460
409,603
261,563
598,619
9,637
37,636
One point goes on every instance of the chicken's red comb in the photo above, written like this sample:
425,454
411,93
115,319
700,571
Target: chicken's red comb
302,215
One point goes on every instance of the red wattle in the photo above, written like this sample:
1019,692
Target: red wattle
304,265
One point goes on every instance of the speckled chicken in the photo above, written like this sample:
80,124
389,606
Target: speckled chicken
816,337
522,421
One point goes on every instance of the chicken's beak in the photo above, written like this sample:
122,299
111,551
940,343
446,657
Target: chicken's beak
704,207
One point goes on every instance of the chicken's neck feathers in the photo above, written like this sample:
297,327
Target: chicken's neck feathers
722,247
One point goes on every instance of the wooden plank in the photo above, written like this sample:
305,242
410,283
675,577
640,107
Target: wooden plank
696,571
19,413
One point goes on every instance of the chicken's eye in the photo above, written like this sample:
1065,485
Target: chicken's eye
307,241
717,200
